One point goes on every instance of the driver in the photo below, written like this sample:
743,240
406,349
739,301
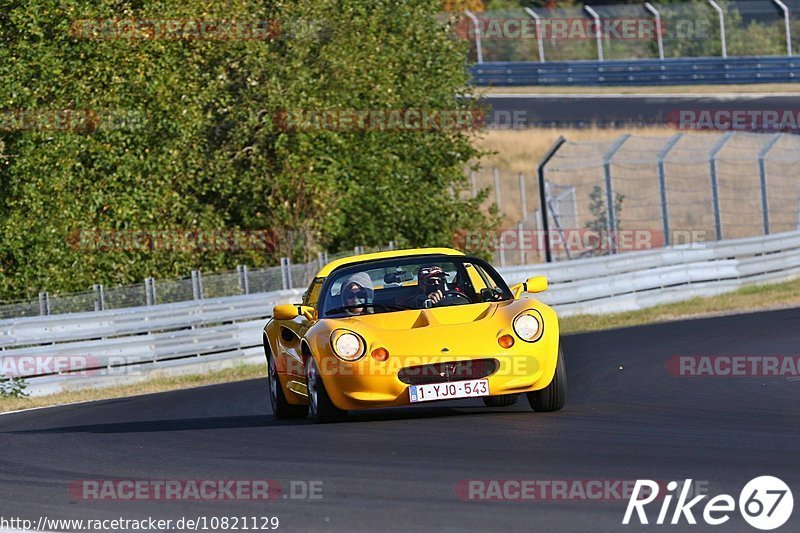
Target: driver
432,284
357,289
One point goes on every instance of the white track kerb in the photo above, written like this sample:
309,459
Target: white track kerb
116,347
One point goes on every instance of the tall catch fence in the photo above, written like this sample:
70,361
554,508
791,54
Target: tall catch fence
671,190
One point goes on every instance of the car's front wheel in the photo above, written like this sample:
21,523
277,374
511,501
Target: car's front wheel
320,404
554,396
281,408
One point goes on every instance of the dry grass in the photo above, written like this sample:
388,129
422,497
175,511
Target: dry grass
520,150
761,88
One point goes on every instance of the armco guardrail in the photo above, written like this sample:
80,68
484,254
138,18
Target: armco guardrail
111,347
680,71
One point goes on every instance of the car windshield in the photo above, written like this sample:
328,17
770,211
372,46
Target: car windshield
403,283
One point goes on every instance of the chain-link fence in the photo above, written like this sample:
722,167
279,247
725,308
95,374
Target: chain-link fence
198,286
672,190
635,31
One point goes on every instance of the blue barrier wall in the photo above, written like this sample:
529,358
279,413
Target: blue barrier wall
680,71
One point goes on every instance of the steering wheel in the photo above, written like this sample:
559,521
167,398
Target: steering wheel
452,298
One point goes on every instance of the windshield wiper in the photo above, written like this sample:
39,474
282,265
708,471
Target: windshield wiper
388,307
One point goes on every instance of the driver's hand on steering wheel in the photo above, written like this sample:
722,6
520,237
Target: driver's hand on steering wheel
435,297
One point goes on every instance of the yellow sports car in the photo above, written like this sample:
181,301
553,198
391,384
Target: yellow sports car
411,326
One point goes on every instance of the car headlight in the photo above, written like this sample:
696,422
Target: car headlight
347,345
528,326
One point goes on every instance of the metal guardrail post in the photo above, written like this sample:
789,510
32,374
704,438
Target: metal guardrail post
284,274
721,27
244,283
197,285
477,25
539,39
520,240
44,303
99,297
712,155
762,176
150,291
523,201
659,37
662,184
548,255
787,26
598,31
611,212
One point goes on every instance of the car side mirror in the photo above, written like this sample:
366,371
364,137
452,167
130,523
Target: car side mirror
535,284
292,311
285,312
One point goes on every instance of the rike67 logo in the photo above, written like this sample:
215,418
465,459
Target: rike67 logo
765,503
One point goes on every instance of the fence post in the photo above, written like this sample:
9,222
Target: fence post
787,26
598,31
721,27
496,178
543,196
197,285
44,303
662,185
715,184
99,297
520,245
477,25
539,40
762,176
611,212
149,291
244,283
474,182
659,38
523,197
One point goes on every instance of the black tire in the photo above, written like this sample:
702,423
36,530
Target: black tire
554,396
281,408
500,401
320,404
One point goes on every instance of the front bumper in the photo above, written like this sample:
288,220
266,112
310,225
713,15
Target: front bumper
370,384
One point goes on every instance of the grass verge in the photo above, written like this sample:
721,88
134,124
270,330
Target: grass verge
752,298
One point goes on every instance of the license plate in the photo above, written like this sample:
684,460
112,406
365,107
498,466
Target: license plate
448,391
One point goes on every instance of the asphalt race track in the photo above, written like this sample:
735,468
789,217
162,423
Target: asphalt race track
397,470
610,110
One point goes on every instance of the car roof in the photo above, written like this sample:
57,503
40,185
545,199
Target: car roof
333,265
